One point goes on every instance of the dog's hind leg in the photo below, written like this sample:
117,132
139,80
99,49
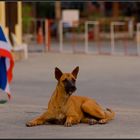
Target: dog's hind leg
95,110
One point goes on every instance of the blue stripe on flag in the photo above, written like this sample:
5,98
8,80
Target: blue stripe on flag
3,74
2,36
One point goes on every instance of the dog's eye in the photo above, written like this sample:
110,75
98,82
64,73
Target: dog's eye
65,80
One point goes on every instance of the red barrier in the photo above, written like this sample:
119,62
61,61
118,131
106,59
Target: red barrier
40,36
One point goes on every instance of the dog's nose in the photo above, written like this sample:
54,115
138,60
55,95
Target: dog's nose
73,88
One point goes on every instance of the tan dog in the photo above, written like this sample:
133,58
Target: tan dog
64,108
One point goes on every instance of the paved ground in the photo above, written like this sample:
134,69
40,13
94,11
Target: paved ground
114,81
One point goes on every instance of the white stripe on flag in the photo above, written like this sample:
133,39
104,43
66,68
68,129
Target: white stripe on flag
7,64
7,89
5,45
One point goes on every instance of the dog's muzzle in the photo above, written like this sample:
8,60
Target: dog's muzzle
70,87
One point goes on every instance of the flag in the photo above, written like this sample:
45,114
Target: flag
6,64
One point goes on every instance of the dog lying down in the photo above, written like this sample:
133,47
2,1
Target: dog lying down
65,108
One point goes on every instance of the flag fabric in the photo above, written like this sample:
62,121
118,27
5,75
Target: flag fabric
6,64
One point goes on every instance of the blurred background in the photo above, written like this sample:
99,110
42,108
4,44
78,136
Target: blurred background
96,28
58,33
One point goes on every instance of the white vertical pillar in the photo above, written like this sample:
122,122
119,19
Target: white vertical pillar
112,38
61,35
96,25
113,24
86,37
138,38
131,27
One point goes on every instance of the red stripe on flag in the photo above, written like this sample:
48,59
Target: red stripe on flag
7,54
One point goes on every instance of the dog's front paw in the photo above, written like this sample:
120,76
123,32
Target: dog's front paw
102,121
30,124
92,121
68,124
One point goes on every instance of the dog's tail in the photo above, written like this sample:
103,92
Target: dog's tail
109,114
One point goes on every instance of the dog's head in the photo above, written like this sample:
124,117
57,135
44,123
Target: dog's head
67,80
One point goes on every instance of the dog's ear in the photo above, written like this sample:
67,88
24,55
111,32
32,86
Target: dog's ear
58,73
75,72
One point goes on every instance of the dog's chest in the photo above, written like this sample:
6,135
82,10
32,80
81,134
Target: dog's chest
61,116
60,113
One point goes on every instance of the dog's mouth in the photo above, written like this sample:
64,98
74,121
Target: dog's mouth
70,90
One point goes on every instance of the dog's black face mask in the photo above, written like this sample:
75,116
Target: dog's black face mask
69,86
67,79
